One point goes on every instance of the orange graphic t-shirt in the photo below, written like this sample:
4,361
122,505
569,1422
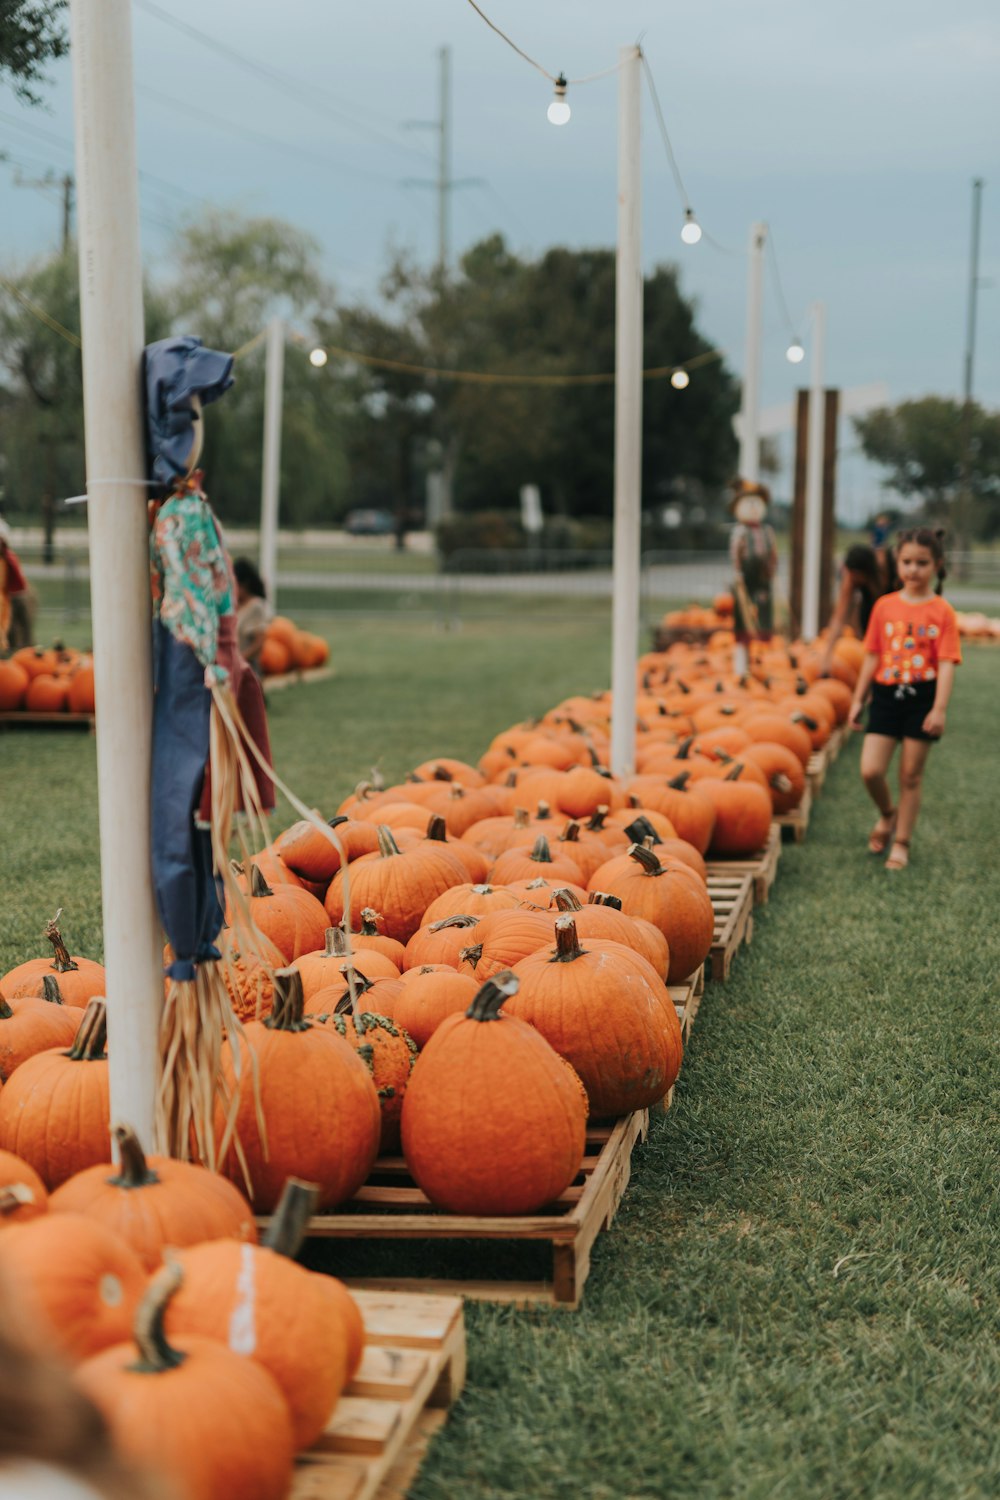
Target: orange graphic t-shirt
911,640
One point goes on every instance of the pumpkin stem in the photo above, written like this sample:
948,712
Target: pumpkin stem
735,773
92,1037
357,985
522,817
482,890
459,920
571,833
567,941
5,1010
133,1171
602,898
567,900
437,829
487,1001
290,1220
61,962
781,783
258,885
369,922
336,822
336,941
645,857
50,989
543,811
471,955
386,843
441,773
286,1011
540,853
641,829
14,1195
810,723
155,1354
679,783
597,817
684,748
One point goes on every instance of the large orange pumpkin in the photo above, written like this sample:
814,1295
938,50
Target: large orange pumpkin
155,1203
675,901
22,1192
502,939
292,918
387,1051
211,1422
602,917
81,697
326,965
743,815
28,1026
786,780
427,995
309,853
442,942
399,885
80,979
487,1088
14,679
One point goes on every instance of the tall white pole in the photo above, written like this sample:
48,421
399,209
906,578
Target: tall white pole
112,329
813,532
750,405
274,372
628,422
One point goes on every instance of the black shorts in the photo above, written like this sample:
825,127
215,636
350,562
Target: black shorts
899,712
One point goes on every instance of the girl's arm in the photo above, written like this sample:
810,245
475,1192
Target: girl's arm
934,722
861,689
838,619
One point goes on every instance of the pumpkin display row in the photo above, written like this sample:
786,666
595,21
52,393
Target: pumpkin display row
47,680
287,648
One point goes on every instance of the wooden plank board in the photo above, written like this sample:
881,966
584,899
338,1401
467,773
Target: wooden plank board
392,1207
21,719
763,866
794,824
732,900
413,1370
286,679
687,999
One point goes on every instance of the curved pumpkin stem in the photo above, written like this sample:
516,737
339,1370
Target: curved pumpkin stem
567,900
61,962
684,748
5,1010
602,898
461,919
290,1220
781,783
357,985
641,829
679,783
487,1001
646,858
286,1011
807,720
258,885
597,817
155,1354
369,922
437,829
567,942
92,1038
134,1172
387,845
14,1195
471,955
735,773
50,989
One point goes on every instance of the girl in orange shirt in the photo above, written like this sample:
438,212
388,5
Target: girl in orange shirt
912,649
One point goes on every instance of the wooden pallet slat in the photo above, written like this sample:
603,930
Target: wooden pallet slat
413,1369
763,866
732,900
22,719
281,680
795,824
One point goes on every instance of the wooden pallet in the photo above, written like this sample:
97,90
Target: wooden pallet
732,900
390,1206
412,1371
286,679
687,999
16,719
763,866
794,824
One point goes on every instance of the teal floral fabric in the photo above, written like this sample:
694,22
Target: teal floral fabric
191,578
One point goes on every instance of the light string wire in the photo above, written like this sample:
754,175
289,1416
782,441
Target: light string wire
588,78
671,158
776,281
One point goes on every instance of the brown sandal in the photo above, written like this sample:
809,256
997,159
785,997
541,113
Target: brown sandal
899,855
880,838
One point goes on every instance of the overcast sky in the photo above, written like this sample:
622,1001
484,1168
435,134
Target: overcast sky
854,130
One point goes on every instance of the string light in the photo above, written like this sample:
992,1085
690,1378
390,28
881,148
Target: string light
318,358
795,353
691,233
559,111
680,380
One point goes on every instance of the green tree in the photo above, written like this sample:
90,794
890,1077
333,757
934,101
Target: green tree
31,34
941,457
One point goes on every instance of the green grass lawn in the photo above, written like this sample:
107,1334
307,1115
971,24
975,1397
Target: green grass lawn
799,1296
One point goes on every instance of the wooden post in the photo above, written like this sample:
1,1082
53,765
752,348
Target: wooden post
810,621
750,402
111,321
798,508
828,561
274,371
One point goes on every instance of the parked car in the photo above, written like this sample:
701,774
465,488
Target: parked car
369,523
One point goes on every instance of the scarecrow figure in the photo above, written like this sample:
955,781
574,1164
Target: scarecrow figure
754,556
210,745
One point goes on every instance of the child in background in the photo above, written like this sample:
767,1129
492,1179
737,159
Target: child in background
252,613
912,649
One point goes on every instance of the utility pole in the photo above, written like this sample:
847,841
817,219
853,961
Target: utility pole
49,184
444,183
750,413
964,517
274,372
628,420
813,539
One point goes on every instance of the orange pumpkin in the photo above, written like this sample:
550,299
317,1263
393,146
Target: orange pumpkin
427,995
743,814
778,729
470,900
502,939
399,885
47,694
292,918
22,1191
306,851
28,1026
325,966
156,1203
209,1421
488,1087
441,942
14,679
249,975
786,780
387,1051
371,939
602,917
674,900
80,979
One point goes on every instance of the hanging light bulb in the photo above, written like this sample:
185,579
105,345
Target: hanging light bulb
318,358
691,233
559,111
680,380
795,353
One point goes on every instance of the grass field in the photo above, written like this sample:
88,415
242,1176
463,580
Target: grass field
799,1297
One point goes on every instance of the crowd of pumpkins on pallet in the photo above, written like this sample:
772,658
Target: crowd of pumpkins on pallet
47,680
286,648
476,962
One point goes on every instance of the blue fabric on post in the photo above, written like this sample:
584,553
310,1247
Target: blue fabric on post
174,370
187,889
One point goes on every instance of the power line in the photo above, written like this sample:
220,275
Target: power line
50,138
296,88
589,78
671,158
779,289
